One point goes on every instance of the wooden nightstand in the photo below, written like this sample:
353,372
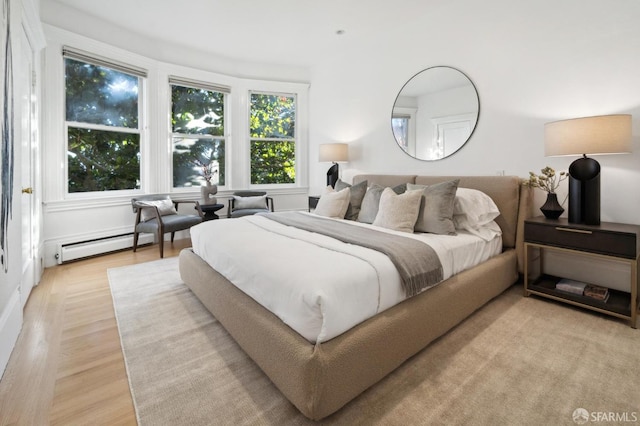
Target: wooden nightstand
610,241
313,201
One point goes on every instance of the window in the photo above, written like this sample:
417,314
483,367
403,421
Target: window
102,124
198,132
272,132
400,127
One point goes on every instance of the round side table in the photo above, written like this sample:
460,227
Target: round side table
210,210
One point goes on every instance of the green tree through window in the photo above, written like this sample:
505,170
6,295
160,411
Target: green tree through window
272,137
197,125
103,135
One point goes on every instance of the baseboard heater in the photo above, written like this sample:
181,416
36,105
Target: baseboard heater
88,248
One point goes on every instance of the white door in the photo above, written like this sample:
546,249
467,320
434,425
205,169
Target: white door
24,132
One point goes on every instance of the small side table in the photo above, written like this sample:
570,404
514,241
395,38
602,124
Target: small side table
210,210
313,201
615,242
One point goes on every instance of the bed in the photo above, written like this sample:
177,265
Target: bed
319,373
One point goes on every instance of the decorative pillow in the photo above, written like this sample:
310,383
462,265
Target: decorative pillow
357,192
371,201
165,208
398,212
473,209
255,202
436,207
333,203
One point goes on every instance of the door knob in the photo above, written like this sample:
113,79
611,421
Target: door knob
27,190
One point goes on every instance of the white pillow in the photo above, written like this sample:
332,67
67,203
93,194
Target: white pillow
487,232
255,202
165,207
473,209
398,212
333,203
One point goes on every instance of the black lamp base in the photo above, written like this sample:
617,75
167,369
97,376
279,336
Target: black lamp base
332,175
584,191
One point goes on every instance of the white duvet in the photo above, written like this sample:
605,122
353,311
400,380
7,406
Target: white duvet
317,285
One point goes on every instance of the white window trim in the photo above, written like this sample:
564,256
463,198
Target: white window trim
293,139
139,131
184,82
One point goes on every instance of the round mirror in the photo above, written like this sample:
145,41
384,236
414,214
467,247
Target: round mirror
435,113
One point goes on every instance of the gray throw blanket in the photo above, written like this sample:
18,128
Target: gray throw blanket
417,263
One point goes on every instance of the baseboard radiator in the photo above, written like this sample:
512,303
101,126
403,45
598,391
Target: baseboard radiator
82,249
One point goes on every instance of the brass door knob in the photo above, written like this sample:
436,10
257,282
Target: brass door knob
27,190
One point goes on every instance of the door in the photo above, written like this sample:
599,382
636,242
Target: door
25,126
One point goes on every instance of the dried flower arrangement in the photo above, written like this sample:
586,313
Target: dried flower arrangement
548,180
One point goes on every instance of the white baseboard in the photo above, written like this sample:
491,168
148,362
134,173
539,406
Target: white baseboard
10,326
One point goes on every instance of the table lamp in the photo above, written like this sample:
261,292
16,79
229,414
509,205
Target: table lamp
333,152
605,134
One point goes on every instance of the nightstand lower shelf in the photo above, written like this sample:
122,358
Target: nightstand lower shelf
618,304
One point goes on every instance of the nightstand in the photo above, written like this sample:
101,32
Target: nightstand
609,241
313,201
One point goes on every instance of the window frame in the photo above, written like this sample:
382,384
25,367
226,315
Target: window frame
200,85
142,75
296,139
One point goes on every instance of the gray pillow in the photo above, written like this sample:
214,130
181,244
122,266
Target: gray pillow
357,192
257,202
436,207
371,202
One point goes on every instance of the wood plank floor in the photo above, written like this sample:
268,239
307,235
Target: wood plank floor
67,366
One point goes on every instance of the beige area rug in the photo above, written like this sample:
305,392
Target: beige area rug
517,361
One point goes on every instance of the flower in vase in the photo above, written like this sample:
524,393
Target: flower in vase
547,180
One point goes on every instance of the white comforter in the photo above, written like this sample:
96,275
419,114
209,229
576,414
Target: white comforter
317,285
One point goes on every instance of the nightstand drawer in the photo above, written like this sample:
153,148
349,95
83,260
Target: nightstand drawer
613,241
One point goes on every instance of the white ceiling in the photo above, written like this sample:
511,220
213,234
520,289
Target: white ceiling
283,32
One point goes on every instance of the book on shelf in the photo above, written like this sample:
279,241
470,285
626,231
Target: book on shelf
596,292
571,286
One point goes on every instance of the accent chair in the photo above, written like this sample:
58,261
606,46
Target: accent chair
158,214
244,203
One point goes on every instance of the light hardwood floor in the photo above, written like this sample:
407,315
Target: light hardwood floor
67,367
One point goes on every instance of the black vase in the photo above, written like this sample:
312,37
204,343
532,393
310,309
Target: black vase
551,209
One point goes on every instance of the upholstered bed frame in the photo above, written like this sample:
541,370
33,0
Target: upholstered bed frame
320,379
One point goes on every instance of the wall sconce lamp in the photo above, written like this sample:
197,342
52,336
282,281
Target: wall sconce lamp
605,134
334,153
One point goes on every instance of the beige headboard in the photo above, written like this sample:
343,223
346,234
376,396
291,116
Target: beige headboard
510,195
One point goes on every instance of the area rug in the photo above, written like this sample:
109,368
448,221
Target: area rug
523,361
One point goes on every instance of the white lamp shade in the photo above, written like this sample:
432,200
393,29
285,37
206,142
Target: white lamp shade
604,134
334,152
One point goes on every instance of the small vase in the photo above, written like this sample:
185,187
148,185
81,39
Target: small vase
551,209
207,193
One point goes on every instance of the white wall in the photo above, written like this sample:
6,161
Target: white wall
532,62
